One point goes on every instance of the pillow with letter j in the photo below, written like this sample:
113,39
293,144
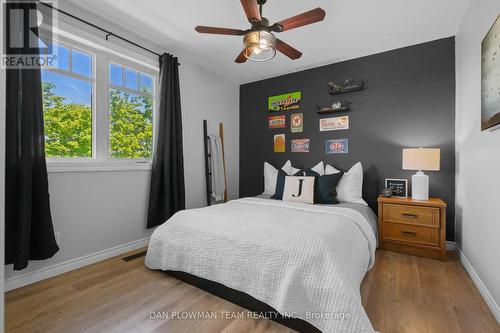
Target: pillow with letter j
280,183
299,189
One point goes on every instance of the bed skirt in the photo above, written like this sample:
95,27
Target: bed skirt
244,300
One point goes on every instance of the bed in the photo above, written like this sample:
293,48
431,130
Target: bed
305,261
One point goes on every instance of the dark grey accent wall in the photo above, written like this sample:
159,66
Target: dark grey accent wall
409,101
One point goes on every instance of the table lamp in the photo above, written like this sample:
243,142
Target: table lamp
421,159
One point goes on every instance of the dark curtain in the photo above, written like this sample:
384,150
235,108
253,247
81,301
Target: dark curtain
166,194
29,234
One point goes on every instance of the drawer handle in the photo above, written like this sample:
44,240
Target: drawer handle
409,233
413,216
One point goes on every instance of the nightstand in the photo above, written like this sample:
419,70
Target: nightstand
412,227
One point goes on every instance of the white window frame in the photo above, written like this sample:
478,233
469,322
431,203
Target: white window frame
127,64
92,80
102,57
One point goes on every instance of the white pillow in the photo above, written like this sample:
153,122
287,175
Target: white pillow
299,189
329,170
289,169
271,176
350,187
319,169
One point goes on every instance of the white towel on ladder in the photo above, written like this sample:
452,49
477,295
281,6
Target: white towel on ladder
217,164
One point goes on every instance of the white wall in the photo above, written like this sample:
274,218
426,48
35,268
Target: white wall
95,211
478,155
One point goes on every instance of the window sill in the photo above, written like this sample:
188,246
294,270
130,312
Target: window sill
80,167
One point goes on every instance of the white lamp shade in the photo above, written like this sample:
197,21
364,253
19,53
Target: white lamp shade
426,159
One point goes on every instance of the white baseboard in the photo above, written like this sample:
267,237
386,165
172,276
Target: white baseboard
451,246
495,309
63,267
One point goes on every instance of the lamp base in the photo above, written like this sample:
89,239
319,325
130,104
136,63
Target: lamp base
420,186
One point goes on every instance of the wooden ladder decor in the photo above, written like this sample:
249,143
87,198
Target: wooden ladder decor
208,171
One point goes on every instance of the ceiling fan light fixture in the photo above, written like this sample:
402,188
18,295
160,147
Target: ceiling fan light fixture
260,45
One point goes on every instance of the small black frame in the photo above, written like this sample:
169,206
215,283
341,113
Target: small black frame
399,187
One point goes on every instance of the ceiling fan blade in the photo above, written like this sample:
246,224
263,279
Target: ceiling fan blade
251,9
241,57
219,31
287,50
300,20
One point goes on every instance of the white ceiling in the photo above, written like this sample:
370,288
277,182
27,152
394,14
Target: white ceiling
352,28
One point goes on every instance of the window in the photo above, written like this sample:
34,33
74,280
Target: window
131,113
67,90
98,108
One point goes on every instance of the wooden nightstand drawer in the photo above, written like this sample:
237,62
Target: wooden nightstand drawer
415,215
411,233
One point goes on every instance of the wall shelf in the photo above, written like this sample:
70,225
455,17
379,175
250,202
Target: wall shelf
337,107
350,85
327,111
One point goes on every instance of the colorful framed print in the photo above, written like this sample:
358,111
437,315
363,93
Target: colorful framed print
334,124
337,146
301,145
284,102
297,123
277,122
399,187
490,77
279,143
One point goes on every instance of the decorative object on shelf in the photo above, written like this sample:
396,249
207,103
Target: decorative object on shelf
284,102
334,124
349,85
301,145
387,192
490,77
337,146
398,187
337,106
421,159
279,143
297,123
276,122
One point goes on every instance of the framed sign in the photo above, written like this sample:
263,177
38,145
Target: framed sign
399,187
297,123
279,143
337,146
334,124
277,122
289,101
301,145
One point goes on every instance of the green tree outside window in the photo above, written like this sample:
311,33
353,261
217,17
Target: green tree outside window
68,126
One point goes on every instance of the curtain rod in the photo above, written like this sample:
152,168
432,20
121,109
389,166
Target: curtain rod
108,33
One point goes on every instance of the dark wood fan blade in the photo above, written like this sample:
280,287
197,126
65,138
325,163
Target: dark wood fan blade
219,31
287,50
300,20
251,9
241,58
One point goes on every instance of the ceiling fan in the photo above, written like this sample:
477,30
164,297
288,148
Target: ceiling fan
260,42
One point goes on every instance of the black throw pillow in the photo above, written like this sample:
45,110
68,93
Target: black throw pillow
325,187
280,184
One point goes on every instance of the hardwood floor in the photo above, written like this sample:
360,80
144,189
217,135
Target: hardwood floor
401,294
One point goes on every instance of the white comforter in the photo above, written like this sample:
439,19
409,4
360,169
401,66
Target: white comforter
306,261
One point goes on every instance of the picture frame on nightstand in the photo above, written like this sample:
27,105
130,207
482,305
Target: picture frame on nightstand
399,187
